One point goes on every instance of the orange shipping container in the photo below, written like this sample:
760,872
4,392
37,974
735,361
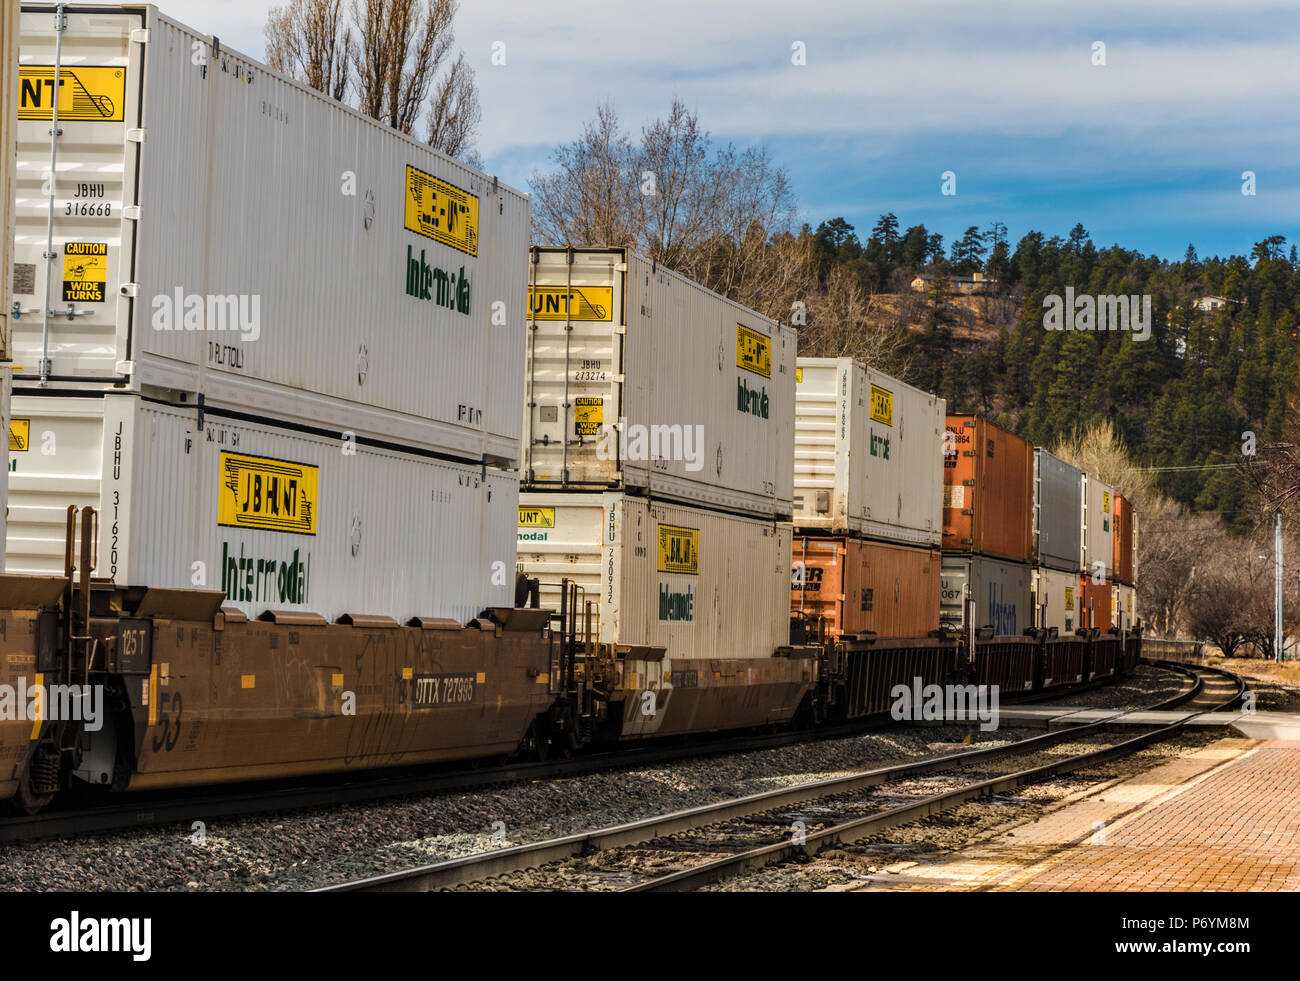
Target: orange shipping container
1095,611
1122,532
988,490
858,585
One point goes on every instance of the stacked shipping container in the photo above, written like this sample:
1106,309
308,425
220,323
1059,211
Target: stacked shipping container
309,350
8,119
658,448
867,483
1058,542
988,525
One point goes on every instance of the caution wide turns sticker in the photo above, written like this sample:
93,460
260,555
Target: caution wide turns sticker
87,93
85,271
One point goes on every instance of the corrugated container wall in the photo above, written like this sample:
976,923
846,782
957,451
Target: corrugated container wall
1096,604
1001,590
1122,539
1056,597
868,453
222,230
277,518
857,585
1098,528
637,377
988,476
697,583
1058,500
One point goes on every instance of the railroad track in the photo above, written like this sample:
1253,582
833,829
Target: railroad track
1209,689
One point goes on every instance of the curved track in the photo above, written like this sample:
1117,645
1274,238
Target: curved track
1201,695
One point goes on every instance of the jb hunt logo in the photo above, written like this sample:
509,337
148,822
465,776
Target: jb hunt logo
752,400
443,288
274,495
86,93
441,211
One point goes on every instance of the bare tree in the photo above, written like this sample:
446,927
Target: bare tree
309,41
718,215
392,53
844,321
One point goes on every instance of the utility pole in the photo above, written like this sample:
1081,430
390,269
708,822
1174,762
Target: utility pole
1277,588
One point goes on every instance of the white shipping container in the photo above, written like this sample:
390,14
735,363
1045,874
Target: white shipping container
868,453
1056,600
646,380
221,230
1098,533
1002,592
697,583
278,518
1123,606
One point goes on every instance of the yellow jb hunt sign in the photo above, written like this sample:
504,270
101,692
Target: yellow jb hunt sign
85,271
753,351
441,211
882,405
679,550
86,93
273,495
536,517
581,304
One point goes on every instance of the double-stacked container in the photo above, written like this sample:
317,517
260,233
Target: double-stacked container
1124,545
275,333
1058,542
867,494
658,439
988,495
1097,555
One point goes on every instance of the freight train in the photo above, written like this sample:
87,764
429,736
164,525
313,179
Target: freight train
447,497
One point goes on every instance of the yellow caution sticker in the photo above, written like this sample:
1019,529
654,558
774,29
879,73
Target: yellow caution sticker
274,495
85,271
441,211
588,414
882,405
753,351
679,550
798,376
1069,598
1105,502
577,304
20,435
536,517
87,93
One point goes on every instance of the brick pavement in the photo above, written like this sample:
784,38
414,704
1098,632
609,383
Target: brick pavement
1226,818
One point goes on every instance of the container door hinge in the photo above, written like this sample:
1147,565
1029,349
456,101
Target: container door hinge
131,212
130,290
140,35
136,135
124,368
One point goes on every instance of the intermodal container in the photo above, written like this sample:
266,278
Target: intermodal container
637,378
1056,599
16,441
858,585
1002,592
868,453
1098,556
988,476
1124,603
1058,504
278,518
1123,540
222,231
697,584
1095,599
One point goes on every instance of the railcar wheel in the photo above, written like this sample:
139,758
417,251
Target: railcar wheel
34,783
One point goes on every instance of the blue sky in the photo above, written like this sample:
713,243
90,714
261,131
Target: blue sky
1147,150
